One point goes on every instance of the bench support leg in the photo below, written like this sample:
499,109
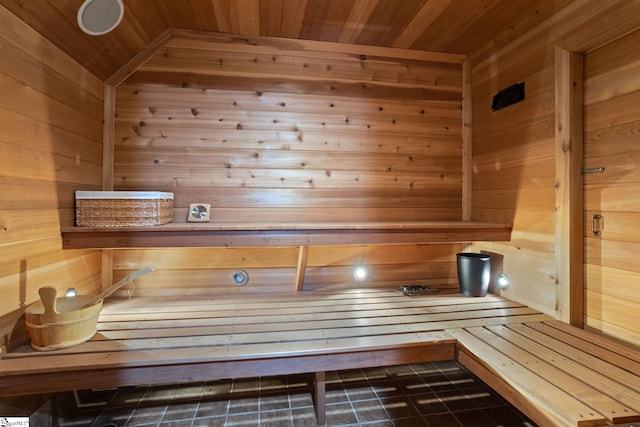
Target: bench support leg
319,402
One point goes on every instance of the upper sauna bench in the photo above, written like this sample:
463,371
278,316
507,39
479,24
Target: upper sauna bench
182,234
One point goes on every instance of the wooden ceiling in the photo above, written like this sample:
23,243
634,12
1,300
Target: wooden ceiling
475,28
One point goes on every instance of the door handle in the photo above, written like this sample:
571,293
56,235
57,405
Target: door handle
595,225
593,170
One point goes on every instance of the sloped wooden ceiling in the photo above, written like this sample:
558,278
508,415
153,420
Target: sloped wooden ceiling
475,28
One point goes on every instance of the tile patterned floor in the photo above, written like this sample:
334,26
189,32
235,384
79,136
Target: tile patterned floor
428,394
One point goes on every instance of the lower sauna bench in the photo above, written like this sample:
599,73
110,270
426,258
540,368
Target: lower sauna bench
151,341
556,374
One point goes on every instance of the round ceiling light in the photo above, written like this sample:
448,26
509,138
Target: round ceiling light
98,17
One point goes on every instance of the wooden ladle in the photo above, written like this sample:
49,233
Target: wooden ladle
121,283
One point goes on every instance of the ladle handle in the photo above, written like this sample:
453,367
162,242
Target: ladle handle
48,296
121,283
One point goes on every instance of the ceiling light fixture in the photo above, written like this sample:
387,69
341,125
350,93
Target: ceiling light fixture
98,17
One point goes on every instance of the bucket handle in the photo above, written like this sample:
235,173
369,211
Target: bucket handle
48,296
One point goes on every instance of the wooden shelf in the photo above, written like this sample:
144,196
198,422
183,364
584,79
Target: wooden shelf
287,234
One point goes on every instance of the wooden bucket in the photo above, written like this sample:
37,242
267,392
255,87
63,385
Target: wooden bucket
56,323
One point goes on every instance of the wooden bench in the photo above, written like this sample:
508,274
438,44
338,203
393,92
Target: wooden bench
173,340
555,374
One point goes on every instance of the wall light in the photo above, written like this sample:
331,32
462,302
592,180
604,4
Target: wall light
360,273
240,277
502,281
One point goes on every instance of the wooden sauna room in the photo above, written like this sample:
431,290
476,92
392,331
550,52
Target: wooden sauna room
320,137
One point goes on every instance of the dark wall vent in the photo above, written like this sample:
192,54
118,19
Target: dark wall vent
508,96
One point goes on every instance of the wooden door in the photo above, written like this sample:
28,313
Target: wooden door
612,194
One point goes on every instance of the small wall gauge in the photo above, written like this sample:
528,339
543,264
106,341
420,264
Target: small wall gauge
199,212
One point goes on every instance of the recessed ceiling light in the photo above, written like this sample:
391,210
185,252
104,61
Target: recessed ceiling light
98,17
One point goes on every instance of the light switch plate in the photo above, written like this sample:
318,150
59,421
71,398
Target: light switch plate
199,212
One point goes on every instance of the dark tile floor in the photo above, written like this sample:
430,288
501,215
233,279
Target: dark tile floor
428,394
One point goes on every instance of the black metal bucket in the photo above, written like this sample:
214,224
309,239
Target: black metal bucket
474,273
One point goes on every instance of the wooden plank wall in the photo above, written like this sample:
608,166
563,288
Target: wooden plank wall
612,141
513,149
51,145
269,130
272,269
513,169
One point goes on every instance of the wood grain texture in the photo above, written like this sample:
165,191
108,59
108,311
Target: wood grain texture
51,120
519,187
555,373
306,139
282,234
51,77
569,183
301,266
476,29
293,332
611,115
270,268
302,131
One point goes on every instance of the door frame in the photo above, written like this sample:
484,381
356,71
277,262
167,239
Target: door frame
569,192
